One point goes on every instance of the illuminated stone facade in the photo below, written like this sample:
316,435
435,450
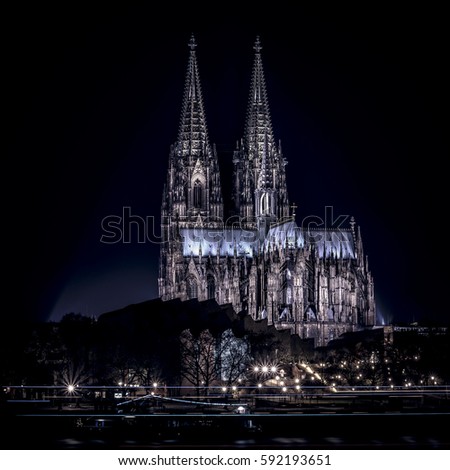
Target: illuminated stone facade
315,283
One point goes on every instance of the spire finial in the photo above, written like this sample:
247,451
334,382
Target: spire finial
257,45
352,224
293,207
192,44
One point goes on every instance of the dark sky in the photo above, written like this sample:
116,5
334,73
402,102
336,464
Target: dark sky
93,99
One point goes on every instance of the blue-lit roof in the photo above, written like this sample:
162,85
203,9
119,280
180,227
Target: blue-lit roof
224,242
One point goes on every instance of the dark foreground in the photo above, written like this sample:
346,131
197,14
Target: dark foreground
215,431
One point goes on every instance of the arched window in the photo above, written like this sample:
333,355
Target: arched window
289,295
263,203
191,288
211,288
198,190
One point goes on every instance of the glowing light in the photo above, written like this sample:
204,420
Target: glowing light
256,369
284,389
234,387
155,384
224,389
297,381
273,369
70,388
259,385
297,387
265,369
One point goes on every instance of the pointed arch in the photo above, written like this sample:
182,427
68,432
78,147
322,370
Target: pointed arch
198,194
263,204
211,287
191,287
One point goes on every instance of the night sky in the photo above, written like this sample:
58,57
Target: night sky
93,100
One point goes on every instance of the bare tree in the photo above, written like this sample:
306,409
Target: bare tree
234,357
206,359
199,366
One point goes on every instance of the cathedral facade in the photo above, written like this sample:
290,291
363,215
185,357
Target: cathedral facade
313,282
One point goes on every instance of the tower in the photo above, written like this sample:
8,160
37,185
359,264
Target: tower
192,195
315,283
260,192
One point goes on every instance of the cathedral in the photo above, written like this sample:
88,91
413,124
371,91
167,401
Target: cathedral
313,282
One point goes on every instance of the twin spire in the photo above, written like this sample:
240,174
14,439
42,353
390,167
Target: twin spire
258,132
193,134
258,162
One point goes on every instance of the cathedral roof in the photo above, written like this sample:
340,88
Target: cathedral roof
338,243
328,242
222,242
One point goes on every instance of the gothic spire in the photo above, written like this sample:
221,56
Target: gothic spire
193,134
258,116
